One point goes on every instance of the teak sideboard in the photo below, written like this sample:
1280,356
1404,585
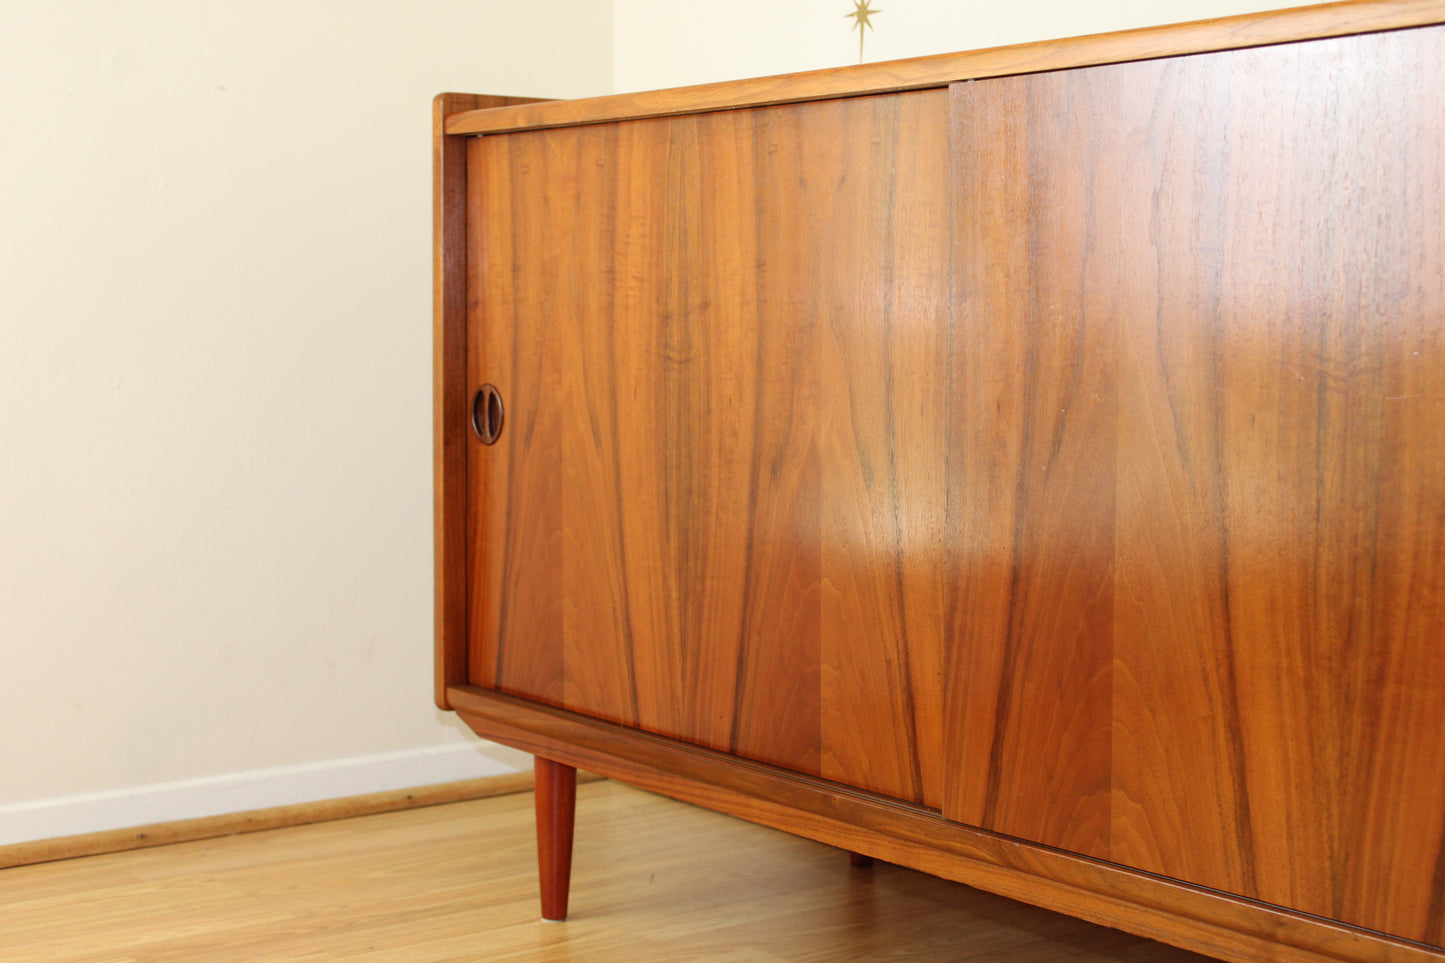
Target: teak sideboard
1025,465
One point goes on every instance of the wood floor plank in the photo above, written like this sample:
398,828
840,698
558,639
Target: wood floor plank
653,881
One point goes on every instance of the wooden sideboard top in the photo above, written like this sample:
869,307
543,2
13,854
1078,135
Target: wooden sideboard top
1227,33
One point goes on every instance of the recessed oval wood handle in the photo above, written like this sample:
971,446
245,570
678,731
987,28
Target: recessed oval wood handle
487,413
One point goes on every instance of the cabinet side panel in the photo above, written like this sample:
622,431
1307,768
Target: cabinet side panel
1263,247
449,454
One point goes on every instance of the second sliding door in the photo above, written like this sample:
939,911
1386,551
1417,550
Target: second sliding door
1197,471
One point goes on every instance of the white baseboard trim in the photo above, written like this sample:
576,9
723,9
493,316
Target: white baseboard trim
239,792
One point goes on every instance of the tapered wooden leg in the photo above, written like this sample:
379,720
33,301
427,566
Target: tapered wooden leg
556,812
859,860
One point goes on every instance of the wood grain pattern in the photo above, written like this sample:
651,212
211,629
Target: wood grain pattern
1227,33
716,511
1200,484
1203,920
449,335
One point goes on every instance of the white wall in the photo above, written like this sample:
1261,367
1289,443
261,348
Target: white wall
665,43
215,423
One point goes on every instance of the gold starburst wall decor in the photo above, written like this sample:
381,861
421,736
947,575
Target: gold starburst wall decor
861,12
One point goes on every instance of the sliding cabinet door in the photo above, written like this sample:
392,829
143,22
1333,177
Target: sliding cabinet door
1197,476
715,509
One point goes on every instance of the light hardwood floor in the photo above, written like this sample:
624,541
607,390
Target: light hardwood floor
654,880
